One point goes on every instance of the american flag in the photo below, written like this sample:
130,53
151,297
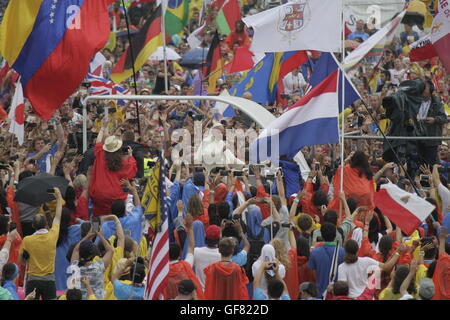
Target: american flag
159,262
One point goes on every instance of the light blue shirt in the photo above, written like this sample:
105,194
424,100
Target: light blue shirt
132,222
259,295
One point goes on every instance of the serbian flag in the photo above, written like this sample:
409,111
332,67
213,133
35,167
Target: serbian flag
17,114
52,45
144,44
440,33
405,209
422,49
312,120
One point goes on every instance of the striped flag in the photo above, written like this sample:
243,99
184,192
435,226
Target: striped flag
159,262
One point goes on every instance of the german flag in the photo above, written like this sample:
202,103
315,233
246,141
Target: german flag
214,65
144,43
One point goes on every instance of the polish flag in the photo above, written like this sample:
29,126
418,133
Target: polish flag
422,49
17,114
440,33
405,209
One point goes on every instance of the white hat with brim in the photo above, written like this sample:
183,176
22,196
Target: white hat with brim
112,144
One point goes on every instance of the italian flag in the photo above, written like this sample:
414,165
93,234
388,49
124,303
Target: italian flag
405,209
227,16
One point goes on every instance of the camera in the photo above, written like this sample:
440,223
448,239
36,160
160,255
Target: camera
87,85
237,173
14,157
3,166
199,117
124,150
111,110
317,166
223,173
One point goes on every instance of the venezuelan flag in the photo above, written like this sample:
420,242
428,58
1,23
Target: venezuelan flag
144,44
176,16
50,43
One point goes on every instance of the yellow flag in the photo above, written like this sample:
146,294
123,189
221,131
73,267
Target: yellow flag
151,202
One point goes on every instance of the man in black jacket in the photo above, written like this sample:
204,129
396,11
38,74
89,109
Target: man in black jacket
432,116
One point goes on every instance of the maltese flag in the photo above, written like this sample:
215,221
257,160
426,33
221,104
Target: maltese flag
17,114
405,209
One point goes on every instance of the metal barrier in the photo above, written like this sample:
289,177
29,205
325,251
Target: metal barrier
393,138
255,111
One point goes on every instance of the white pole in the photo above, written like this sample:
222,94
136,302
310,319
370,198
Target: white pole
164,6
343,99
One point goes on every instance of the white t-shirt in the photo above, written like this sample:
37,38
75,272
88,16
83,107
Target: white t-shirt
444,193
397,76
202,258
293,83
355,274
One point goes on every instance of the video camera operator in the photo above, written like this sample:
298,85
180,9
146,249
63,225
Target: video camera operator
414,113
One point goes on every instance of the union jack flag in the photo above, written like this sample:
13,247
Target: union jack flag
103,87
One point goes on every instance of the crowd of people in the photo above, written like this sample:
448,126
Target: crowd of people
247,231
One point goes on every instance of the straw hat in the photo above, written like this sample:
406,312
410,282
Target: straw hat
112,144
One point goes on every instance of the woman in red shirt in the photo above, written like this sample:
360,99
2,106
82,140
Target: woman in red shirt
110,167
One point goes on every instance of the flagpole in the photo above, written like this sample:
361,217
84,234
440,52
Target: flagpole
343,102
163,28
133,67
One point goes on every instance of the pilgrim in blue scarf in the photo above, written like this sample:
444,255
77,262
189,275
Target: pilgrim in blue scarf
254,220
192,187
291,173
61,263
9,275
199,235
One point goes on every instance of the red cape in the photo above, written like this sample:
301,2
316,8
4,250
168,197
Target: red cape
225,282
441,278
181,271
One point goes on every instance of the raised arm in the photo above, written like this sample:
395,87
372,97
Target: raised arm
132,189
58,211
109,250
280,188
380,172
409,277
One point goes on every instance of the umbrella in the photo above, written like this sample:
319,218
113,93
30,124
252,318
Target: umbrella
195,58
159,54
124,33
33,190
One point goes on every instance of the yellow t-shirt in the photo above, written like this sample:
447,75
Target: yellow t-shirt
90,297
51,207
421,273
387,294
42,251
117,255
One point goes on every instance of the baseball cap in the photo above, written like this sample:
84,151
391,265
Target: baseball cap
213,233
426,291
186,287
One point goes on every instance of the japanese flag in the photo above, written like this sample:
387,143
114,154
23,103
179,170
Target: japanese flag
17,114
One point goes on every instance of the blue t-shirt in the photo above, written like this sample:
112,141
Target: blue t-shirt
124,291
259,295
240,258
446,223
132,222
320,260
42,161
356,34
